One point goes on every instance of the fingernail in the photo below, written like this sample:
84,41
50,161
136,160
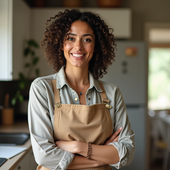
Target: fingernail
121,128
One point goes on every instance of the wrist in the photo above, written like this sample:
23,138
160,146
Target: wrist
76,147
81,148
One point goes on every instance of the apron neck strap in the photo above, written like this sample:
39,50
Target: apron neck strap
103,94
56,92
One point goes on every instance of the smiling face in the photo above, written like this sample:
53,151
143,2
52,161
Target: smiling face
79,45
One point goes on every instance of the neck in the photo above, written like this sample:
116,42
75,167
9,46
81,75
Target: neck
77,76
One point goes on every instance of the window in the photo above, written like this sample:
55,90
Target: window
159,68
159,78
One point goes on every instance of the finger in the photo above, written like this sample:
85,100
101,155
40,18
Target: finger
116,139
106,143
115,134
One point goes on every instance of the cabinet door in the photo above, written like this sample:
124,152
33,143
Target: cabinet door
24,164
6,40
33,164
27,163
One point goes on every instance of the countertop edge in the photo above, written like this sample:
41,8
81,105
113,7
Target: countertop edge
11,164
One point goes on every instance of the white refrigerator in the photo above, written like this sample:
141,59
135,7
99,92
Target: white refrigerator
128,72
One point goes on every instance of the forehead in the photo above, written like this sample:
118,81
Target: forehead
81,27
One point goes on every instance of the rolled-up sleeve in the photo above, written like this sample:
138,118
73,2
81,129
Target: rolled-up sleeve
41,130
125,144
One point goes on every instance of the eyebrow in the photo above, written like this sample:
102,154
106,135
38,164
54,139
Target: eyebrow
83,35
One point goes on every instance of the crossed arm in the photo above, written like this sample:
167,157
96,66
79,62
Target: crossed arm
101,154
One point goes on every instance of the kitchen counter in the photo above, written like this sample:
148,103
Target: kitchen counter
11,163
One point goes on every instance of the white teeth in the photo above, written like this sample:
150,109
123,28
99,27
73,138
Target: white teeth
78,55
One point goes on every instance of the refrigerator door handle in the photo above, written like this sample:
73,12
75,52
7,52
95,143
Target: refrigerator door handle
134,106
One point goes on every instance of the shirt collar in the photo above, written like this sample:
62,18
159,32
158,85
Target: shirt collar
94,83
61,80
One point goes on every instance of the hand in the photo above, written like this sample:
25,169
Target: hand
80,162
69,146
114,137
98,163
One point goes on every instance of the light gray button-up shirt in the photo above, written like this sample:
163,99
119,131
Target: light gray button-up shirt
41,114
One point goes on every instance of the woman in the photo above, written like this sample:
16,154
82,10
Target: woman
72,115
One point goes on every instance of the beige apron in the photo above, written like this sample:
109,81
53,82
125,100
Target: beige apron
82,122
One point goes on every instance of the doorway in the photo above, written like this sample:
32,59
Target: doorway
157,37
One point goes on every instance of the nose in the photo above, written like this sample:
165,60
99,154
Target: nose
78,45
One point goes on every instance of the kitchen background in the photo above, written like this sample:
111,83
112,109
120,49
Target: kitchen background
141,13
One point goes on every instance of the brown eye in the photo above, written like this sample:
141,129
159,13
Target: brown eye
87,40
70,39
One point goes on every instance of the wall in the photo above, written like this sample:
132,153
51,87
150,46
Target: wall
142,11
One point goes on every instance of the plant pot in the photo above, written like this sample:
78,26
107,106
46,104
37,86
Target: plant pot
72,3
23,107
109,3
7,116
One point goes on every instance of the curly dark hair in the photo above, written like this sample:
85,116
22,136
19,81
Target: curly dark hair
56,31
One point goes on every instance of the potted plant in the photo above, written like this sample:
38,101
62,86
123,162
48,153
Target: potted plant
30,66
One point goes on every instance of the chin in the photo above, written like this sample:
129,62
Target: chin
77,64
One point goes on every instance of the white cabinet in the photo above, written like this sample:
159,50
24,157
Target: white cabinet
24,163
27,163
5,40
118,19
14,29
33,164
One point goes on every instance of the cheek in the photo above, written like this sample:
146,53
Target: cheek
90,48
67,47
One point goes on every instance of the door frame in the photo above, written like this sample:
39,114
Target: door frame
147,27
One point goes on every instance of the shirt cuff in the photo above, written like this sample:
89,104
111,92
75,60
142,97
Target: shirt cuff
122,152
65,161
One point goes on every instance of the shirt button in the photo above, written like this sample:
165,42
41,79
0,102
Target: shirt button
76,99
88,98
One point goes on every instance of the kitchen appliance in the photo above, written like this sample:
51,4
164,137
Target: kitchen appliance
128,72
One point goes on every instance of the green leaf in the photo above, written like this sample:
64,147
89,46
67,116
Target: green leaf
21,76
22,84
26,51
32,53
37,72
13,102
35,61
33,43
27,65
17,93
21,98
